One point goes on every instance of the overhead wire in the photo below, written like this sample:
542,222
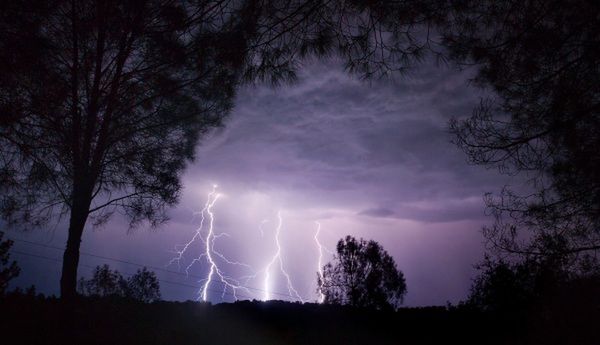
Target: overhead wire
147,266
128,274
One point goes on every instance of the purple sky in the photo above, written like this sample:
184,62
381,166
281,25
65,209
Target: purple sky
368,159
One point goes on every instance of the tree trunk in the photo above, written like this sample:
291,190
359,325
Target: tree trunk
78,217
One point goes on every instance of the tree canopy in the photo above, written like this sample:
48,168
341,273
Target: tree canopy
362,274
143,286
540,60
103,103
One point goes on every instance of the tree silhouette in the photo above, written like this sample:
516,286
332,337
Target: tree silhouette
104,282
508,287
7,271
362,274
103,102
143,286
540,60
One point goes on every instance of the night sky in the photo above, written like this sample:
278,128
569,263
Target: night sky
371,159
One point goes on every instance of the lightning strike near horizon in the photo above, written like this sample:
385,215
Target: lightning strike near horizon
210,253
319,263
277,258
321,248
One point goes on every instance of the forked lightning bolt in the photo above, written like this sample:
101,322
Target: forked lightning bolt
210,253
277,259
319,263
320,247
212,257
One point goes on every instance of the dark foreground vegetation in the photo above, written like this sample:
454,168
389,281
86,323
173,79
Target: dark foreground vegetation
565,317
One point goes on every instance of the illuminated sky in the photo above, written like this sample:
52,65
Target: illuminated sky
368,159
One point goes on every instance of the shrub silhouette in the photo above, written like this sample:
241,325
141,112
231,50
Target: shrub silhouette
142,286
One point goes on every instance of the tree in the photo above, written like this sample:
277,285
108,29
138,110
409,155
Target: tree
508,287
103,110
143,286
103,102
104,282
7,271
362,274
542,121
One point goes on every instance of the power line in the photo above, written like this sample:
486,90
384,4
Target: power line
147,266
129,274
142,265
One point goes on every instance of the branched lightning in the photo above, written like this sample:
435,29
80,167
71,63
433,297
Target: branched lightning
320,248
210,253
277,258
319,263
205,235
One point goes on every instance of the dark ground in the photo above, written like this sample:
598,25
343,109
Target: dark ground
36,320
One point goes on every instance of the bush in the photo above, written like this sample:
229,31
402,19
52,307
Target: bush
142,286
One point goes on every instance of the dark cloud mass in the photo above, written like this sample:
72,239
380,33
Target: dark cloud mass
369,159
377,212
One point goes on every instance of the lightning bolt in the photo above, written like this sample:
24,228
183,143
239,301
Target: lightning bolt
319,263
277,259
321,248
209,253
213,257
260,227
